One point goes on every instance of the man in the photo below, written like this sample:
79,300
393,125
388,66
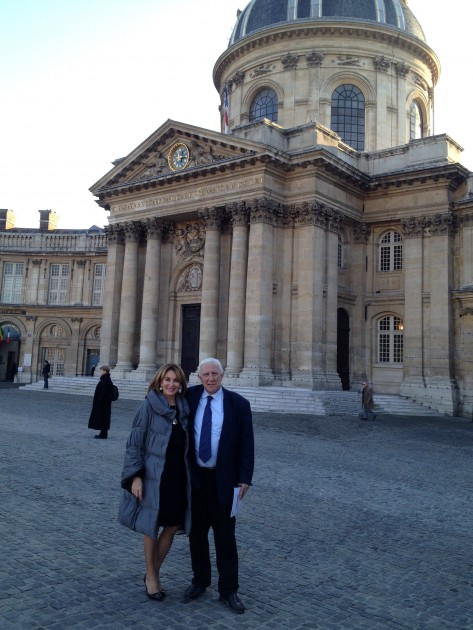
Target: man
46,371
222,458
367,402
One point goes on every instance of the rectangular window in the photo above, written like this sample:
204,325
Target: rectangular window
385,258
397,257
100,271
398,349
384,348
59,284
12,288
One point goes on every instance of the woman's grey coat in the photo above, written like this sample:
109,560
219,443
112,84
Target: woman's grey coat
144,457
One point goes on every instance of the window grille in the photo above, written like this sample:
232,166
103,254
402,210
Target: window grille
12,288
265,105
390,340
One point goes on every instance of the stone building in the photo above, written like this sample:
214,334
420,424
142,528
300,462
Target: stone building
324,239
52,286
325,235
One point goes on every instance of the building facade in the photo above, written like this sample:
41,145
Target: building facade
323,237
52,287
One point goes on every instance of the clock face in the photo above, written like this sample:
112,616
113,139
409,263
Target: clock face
178,157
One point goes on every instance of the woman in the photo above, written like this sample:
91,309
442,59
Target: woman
102,404
156,476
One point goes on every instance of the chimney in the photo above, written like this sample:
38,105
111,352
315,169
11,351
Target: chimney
48,220
7,219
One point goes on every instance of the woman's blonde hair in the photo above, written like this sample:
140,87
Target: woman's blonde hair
161,373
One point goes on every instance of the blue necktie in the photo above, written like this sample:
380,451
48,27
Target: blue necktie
205,444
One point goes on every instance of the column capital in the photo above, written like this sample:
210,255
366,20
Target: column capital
154,228
264,210
212,218
361,232
132,231
436,225
37,262
238,214
318,214
81,262
114,234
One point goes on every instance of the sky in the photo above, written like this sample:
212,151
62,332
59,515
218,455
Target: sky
83,82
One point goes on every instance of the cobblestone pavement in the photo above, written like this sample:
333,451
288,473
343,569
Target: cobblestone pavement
349,525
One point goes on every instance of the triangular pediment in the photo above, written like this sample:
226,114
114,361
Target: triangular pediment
152,160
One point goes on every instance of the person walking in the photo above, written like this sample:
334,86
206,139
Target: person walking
156,490
100,416
222,459
367,402
46,372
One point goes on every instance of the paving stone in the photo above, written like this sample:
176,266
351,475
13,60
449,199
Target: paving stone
349,525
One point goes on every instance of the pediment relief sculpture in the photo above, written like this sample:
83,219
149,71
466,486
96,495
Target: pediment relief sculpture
154,166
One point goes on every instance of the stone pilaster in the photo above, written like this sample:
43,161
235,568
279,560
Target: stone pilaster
33,283
210,284
259,295
358,334
331,302
413,335
237,290
441,383
78,281
149,311
128,307
112,295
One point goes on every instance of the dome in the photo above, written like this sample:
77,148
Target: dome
261,14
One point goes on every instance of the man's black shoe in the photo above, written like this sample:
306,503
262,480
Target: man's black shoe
194,591
234,602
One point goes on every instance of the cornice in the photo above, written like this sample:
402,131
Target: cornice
325,29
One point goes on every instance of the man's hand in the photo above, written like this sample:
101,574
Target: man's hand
244,487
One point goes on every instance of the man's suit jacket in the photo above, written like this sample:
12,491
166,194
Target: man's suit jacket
235,456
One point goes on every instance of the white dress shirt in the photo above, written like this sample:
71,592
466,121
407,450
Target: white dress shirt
216,405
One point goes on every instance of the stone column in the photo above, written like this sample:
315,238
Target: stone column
43,284
309,366
210,284
358,327
112,295
413,384
332,378
402,120
149,311
443,389
237,290
128,306
259,295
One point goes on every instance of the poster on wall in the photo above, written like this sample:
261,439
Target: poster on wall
27,360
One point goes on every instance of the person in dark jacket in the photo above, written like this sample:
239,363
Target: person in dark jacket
222,461
101,413
156,495
46,371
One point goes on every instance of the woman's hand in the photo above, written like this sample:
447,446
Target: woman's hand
137,488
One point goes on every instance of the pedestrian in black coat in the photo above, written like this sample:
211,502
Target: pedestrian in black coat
46,371
101,413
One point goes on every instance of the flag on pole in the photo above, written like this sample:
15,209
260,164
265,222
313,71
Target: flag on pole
2,334
225,108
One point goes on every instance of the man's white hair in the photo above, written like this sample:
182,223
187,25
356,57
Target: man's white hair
209,361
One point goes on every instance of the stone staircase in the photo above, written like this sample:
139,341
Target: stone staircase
279,399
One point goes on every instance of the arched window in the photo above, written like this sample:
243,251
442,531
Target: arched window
416,122
264,105
390,340
348,115
390,252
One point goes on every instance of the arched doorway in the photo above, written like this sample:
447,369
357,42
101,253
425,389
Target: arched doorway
9,351
343,347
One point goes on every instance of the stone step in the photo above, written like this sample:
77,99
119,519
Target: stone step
279,399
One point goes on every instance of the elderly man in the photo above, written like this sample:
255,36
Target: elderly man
222,458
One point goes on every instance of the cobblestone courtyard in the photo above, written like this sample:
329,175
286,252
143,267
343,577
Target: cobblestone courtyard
349,525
